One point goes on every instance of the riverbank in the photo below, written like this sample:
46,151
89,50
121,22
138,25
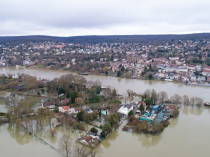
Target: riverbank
102,74
121,84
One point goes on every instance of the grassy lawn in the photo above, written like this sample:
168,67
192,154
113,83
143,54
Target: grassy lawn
38,66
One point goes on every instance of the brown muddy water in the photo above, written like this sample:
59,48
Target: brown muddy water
187,136
122,84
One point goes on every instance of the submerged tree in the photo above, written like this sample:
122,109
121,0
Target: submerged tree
52,132
198,101
154,96
80,151
192,101
65,144
186,100
163,96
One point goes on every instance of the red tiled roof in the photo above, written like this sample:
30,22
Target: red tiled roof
208,71
65,108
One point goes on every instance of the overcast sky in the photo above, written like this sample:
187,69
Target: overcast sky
103,17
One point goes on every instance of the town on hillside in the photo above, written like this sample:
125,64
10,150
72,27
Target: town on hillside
186,60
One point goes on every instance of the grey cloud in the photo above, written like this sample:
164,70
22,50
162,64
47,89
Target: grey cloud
104,16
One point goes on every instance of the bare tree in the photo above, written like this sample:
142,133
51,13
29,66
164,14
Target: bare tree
107,93
172,99
93,152
130,95
178,99
154,96
147,94
65,144
163,96
80,150
192,101
198,101
29,82
186,100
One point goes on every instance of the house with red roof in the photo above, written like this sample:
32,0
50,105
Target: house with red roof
64,109
206,72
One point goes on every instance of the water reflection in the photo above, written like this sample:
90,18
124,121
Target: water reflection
209,110
1,129
107,142
150,82
173,122
196,111
149,140
52,139
192,110
185,110
19,135
119,79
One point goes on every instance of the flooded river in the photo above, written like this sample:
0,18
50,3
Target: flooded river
122,84
188,135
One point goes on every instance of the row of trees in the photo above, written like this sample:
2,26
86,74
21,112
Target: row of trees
152,97
111,122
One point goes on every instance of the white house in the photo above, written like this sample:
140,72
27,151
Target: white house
72,110
206,72
64,109
125,109
173,58
193,77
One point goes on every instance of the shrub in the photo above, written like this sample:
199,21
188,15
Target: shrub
52,132
158,128
130,113
125,128
102,135
175,113
94,130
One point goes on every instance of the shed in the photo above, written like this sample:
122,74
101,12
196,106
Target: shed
155,108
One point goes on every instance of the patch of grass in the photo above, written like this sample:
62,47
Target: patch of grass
39,66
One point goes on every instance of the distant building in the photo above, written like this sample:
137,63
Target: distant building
50,104
173,58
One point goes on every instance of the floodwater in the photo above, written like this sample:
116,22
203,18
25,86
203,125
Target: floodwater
122,84
15,143
188,135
